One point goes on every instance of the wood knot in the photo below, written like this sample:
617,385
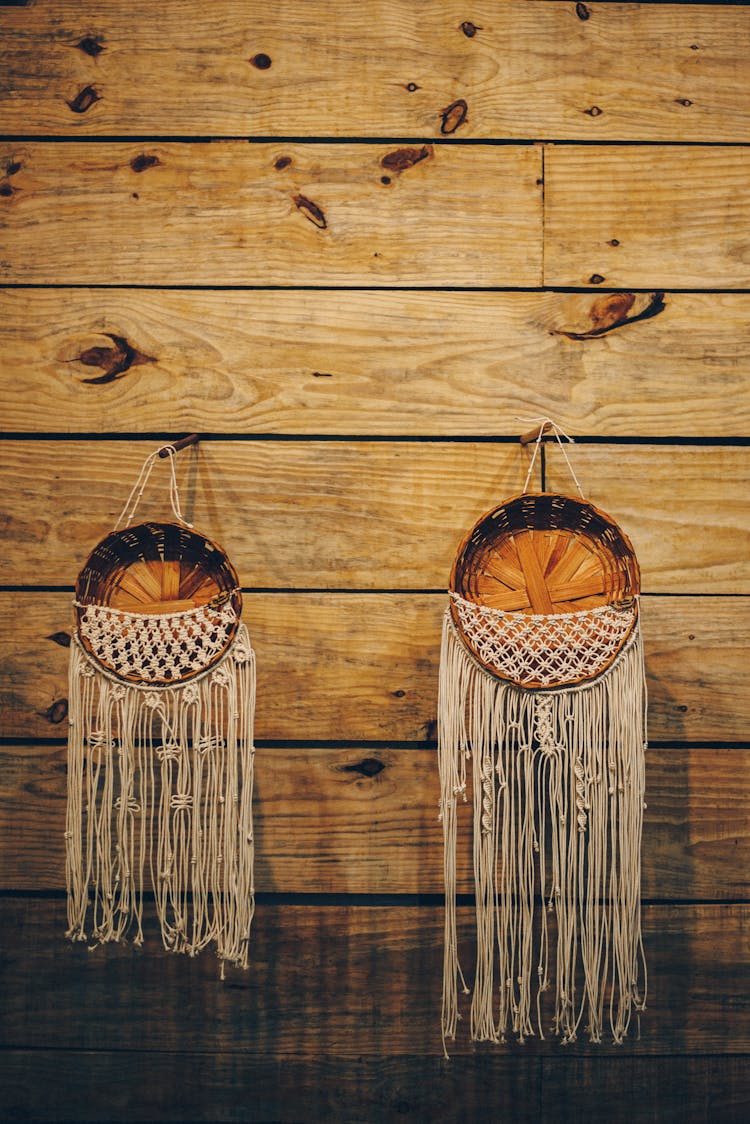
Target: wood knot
90,46
84,99
261,61
402,158
311,211
368,767
140,163
113,361
582,11
61,638
453,116
469,29
57,713
615,310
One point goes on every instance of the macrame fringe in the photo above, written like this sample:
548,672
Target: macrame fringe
160,785
558,781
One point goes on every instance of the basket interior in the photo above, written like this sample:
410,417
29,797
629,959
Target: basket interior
546,554
155,568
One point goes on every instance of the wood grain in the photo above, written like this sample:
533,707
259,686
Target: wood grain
175,1085
647,216
371,515
380,363
180,1085
386,69
229,212
363,820
340,980
362,667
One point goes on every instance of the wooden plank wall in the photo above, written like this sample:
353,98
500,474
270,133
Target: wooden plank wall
352,244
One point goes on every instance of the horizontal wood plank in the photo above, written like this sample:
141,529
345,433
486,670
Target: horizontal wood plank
328,979
362,667
376,363
380,515
675,1089
386,69
126,1086
360,820
229,212
647,216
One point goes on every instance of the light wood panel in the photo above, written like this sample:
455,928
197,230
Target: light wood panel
374,362
599,71
360,980
362,667
363,820
274,213
376,515
647,216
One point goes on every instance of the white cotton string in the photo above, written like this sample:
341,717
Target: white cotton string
558,433
128,512
558,798
162,781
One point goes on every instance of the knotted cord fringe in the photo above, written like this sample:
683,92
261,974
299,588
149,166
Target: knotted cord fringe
160,780
558,781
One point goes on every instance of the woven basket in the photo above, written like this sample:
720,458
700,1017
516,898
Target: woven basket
537,557
157,596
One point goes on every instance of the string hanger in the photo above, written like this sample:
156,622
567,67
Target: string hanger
164,452
543,427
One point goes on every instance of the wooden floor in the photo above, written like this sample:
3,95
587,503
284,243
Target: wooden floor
359,248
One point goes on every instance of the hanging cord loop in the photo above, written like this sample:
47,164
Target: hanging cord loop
164,452
547,425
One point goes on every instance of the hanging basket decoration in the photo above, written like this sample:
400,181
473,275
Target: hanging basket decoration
157,603
542,690
543,590
160,751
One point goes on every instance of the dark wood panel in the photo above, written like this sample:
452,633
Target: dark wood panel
229,212
371,515
647,216
133,1086
364,820
345,980
655,1090
362,667
389,69
138,1086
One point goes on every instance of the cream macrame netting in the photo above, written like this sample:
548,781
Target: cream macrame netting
161,765
157,649
556,778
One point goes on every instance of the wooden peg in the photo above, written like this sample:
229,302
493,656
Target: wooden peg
191,439
535,433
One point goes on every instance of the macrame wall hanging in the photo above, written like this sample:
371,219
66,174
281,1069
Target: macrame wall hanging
160,751
542,714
